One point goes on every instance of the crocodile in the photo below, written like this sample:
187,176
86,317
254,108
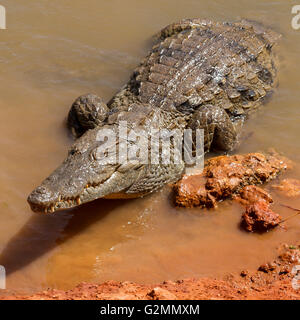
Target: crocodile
199,74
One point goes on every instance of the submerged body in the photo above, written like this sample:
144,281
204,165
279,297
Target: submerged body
199,75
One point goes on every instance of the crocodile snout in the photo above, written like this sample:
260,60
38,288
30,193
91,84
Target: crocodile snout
41,199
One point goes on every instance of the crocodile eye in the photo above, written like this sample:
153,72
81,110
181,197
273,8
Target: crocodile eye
93,155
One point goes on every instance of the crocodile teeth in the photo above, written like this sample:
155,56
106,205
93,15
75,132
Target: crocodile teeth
78,201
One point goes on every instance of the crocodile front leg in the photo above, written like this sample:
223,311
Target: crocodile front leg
220,133
87,112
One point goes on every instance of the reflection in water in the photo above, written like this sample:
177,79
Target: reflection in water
54,51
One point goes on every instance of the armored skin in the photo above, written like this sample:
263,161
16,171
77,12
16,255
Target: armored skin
198,75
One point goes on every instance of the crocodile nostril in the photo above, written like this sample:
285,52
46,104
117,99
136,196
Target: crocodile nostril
42,196
40,190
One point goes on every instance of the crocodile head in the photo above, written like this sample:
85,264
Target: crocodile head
83,177
95,167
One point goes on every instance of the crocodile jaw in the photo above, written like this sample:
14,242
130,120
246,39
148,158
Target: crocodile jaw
43,200
57,193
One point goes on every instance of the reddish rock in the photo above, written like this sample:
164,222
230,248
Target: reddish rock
289,187
225,176
259,217
244,273
190,191
268,267
290,256
161,294
252,194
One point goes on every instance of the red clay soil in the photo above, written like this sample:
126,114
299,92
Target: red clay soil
272,281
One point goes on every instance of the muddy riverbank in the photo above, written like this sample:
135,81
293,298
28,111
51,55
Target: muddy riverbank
272,281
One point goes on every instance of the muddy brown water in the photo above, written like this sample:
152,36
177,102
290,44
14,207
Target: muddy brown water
53,51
